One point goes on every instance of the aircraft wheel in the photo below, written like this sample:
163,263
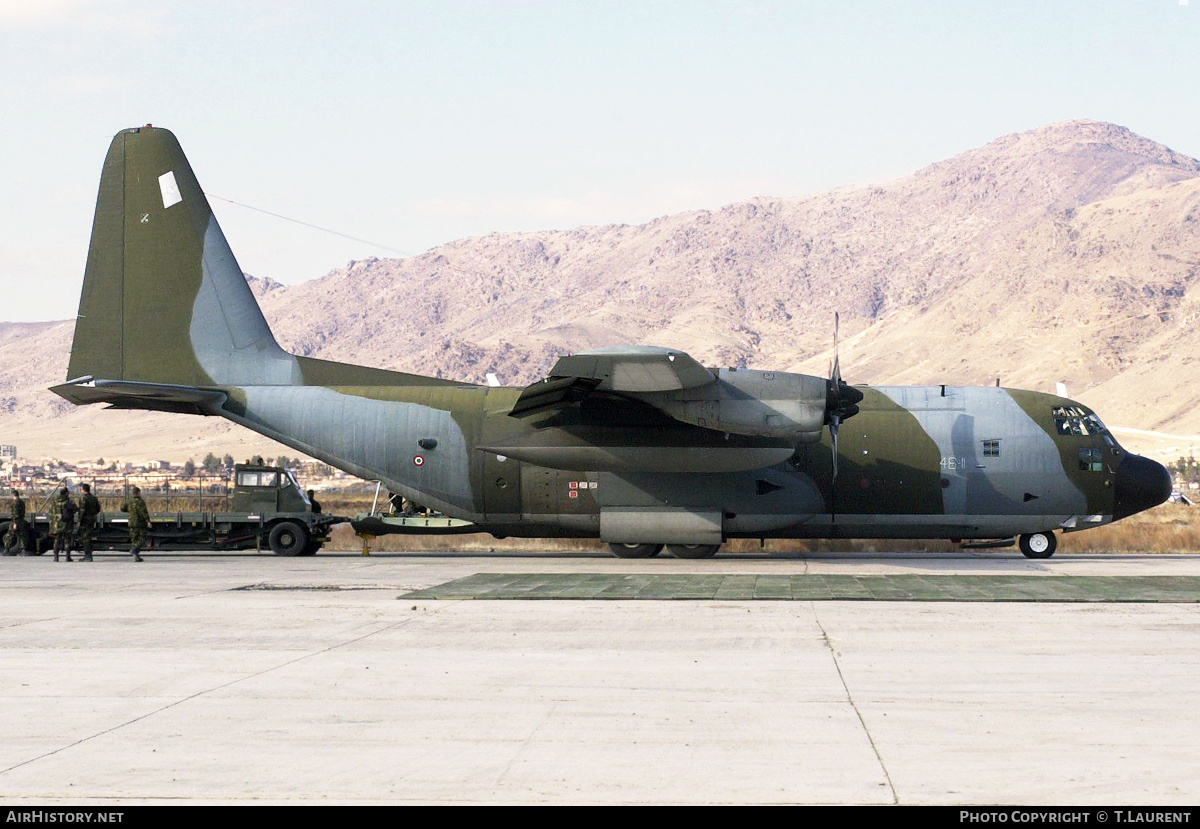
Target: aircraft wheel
1038,545
287,538
693,550
311,548
635,550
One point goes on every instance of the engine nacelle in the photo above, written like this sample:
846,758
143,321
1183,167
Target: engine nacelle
749,402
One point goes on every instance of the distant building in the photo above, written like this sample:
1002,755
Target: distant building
7,450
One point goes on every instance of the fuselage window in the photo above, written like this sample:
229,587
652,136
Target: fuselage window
991,448
1091,460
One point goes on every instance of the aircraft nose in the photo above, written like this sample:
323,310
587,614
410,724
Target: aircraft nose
1141,483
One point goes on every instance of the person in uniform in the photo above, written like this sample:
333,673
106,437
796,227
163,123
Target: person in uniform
62,522
14,539
312,499
89,509
139,522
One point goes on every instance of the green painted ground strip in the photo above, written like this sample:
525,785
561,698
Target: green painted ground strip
780,587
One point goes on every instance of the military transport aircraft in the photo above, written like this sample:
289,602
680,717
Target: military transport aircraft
640,446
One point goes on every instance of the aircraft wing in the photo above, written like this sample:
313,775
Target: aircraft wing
766,413
631,370
770,404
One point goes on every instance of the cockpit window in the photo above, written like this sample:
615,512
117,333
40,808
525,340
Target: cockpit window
1096,426
1091,460
991,448
1072,420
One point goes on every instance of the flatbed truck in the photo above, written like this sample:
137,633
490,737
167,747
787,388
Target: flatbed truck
269,512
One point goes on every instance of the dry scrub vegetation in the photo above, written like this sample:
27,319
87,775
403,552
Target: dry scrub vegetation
1166,529
1169,528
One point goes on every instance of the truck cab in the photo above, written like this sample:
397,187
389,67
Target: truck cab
267,489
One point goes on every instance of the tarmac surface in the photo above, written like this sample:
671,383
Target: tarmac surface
905,678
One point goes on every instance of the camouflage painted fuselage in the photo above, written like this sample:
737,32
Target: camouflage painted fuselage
912,462
168,322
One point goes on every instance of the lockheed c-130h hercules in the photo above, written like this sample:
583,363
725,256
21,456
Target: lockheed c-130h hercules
639,446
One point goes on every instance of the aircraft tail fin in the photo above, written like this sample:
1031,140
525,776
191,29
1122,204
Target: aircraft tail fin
164,300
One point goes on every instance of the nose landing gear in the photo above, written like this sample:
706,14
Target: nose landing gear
1038,545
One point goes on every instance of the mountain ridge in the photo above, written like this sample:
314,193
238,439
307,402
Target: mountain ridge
1069,252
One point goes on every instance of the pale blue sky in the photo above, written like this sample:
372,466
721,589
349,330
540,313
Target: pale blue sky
414,123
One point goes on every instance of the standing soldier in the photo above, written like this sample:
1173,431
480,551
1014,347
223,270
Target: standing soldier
139,522
89,508
62,522
14,539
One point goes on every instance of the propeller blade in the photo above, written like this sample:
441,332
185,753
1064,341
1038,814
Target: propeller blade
835,374
833,434
840,399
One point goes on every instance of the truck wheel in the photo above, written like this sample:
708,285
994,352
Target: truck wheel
635,550
288,538
311,548
693,550
1038,545
41,546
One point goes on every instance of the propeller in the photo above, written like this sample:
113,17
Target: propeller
841,399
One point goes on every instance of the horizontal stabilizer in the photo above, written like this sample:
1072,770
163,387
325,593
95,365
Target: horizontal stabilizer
125,394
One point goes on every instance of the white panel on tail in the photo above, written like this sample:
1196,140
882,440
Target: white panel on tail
170,190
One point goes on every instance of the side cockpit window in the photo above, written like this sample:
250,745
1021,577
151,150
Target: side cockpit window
1094,423
991,448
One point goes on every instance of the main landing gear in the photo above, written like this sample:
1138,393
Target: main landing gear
677,550
693,550
635,550
1038,545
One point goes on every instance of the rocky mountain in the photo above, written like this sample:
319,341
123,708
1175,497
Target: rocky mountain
1067,253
